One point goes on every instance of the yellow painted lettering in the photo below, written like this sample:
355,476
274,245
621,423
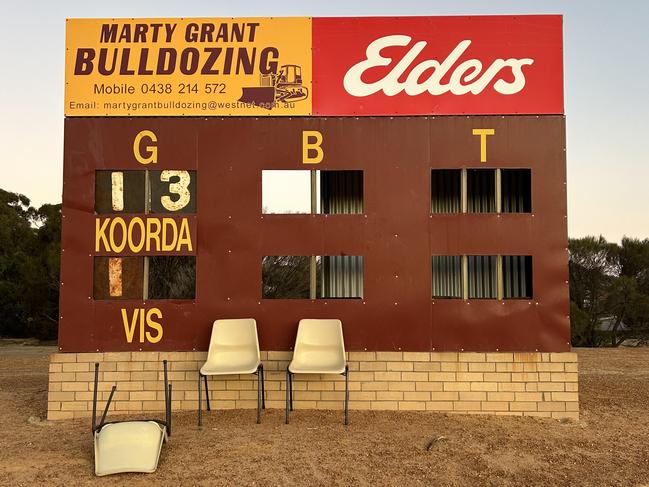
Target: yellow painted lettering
137,221
129,329
141,325
483,133
152,150
111,234
153,233
156,325
185,237
100,234
312,141
166,244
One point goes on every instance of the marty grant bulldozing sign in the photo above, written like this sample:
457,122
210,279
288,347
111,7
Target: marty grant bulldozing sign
188,67
315,66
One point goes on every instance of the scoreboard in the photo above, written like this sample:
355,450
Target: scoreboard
434,156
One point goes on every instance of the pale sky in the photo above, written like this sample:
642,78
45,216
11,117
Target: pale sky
606,76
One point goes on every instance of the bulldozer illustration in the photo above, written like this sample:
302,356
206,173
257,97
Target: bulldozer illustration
284,86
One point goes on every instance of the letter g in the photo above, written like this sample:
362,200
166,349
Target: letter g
152,156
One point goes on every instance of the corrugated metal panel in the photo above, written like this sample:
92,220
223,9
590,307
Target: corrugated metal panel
516,190
341,192
482,276
447,276
481,190
342,276
517,276
446,191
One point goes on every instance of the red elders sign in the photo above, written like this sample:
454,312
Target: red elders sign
438,65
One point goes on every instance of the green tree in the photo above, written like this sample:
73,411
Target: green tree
592,268
628,295
288,276
29,267
608,283
45,297
579,326
285,276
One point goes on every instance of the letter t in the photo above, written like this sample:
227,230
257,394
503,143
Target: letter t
483,141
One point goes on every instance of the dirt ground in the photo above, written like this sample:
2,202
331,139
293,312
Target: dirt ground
608,446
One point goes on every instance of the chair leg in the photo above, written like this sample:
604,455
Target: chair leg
346,395
200,406
288,385
263,392
207,394
258,394
290,375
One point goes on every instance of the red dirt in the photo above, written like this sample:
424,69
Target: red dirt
608,446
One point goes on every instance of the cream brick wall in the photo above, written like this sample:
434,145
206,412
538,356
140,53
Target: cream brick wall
527,384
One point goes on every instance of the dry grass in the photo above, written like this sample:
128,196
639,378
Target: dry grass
607,447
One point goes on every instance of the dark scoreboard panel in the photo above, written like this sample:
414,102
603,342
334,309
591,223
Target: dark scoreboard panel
164,231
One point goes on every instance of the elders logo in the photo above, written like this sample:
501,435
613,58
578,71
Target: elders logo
466,77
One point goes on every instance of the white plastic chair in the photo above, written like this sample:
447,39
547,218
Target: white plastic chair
319,349
234,349
129,446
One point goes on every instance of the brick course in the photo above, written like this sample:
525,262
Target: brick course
529,384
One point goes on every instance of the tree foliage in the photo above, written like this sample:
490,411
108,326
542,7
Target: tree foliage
29,267
609,290
288,276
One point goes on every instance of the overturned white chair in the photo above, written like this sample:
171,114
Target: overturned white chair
319,349
129,446
234,350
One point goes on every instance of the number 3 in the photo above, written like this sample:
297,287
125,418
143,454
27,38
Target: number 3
181,188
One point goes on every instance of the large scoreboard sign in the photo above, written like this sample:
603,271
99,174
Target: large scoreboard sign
421,232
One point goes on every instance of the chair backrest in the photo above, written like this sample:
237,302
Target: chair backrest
320,333
234,334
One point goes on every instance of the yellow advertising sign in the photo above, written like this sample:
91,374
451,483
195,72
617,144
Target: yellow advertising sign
175,67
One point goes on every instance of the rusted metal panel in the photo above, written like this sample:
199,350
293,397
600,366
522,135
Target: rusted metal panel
397,234
118,278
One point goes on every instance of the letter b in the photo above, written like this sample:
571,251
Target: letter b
83,64
312,141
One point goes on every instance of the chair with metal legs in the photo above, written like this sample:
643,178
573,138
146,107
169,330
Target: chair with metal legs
319,349
129,446
234,350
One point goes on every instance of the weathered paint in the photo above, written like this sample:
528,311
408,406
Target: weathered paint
396,234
